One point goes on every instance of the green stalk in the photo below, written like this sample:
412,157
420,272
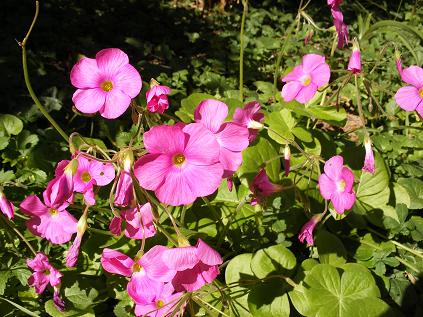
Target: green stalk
282,52
241,50
28,82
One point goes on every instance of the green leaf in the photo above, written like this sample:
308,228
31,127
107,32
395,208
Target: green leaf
188,105
269,299
70,311
4,277
414,188
21,308
4,142
332,295
6,176
276,259
330,249
10,124
328,114
255,156
81,298
280,126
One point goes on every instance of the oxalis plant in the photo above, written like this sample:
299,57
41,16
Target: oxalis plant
238,206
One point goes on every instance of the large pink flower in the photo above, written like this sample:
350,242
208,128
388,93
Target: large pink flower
91,172
44,273
304,80
194,266
250,117
182,164
105,84
231,137
157,100
410,98
6,206
336,184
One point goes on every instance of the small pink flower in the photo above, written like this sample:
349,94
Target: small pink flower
334,3
44,273
163,303
304,80
354,64
157,100
194,266
60,189
139,223
230,183
6,206
306,232
231,137
338,21
262,187
336,184
57,300
182,164
105,84
410,98
91,172
287,159
52,223
369,159
250,117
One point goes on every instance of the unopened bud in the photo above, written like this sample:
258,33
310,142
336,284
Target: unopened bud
154,82
287,159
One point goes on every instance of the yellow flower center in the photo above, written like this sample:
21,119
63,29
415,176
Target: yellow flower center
178,159
340,186
46,272
86,177
136,267
421,93
160,303
107,85
306,80
53,212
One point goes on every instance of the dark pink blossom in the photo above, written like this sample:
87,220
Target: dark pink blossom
306,232
157,100
105,84
336,184
250,117
44,273
115,226
139,222
338,21
262,187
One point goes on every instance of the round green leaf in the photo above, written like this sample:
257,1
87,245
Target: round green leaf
276,259
330,248
10,124
269,299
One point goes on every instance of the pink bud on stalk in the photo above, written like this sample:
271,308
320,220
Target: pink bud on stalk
398,62
73,252
157,100
354,64
287,159
369,160
6,206
306,232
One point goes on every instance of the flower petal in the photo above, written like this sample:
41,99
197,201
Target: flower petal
89,100
165,139
103,173
333,167
408,98
290,90
233,137
211,113
208,255
151,170
321,75
203,180
413,75
115,262
115,105
230,161
326,186
311,61
306,93
202,147
143,289
180,259
32,205
343,201
295,74
128,80
155,266
111,60
348,176
85,74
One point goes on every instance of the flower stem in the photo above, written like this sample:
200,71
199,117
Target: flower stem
20,235
241,50
28,82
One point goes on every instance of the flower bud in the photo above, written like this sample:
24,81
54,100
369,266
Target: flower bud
369,159
287,159
6,206
354,64
306,232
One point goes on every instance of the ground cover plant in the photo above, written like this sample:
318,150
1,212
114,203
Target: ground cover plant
181,158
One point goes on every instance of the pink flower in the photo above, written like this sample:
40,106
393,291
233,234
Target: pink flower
410,98
334,3
91,172
44,273
369,159
125,189
105,84
336,184
231,137
52,223
60,303
304,80
250,117
306,232
6,206
157,98
139,224
194,266
338,21
182,164
162,305
60,189
354,64
146,274
115,226
262,187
